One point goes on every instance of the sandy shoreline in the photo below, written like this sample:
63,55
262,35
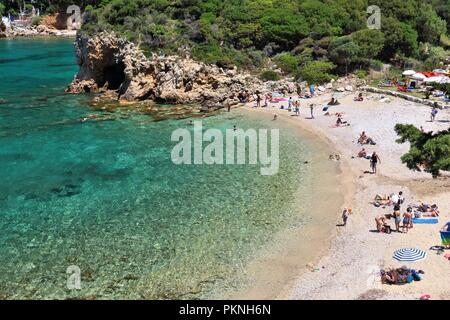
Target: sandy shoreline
290,251
356,254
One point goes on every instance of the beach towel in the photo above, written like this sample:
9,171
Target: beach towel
425,220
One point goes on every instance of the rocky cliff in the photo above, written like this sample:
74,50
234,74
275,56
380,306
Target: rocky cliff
118,68
109,63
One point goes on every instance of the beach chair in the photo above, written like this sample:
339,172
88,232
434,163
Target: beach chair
445,236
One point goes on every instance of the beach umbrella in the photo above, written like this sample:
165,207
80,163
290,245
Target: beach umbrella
440,71
409,255
439,79
419,76
408,72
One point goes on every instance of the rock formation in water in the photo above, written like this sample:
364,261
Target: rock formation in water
119,69
108,63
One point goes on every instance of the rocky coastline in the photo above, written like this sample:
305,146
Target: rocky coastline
36,31
118,69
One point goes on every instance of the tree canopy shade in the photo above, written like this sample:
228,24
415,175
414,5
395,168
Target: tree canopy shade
429,151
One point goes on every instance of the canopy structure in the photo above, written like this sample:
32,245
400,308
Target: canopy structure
409,255
408,72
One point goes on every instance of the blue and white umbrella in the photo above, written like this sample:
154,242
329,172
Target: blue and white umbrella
409,254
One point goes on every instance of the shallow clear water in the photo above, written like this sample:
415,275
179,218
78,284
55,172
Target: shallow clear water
105,196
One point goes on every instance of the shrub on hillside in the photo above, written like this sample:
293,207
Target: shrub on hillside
36,21
316,72
269,75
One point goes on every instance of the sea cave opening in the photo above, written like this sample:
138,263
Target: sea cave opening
114,75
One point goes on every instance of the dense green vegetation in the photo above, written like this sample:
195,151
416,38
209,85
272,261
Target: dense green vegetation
295,34
429,151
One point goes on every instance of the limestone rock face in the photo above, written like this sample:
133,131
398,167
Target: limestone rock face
108,62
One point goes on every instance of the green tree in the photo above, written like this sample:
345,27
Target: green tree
429,25
430,151
316,72
287,62
399,37
344,51
369,41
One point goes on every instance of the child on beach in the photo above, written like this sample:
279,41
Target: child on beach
345,215
311,107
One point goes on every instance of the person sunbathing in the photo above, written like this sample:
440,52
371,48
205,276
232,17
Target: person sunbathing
363,154
359,97
381,222
364,139
333,102
340,122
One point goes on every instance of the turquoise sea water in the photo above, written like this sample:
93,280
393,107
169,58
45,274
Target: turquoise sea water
105,196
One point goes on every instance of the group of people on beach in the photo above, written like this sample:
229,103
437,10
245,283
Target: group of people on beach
406,219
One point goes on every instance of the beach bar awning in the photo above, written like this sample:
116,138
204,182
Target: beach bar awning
409,255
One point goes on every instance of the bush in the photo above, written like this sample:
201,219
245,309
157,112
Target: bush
316,72
36,21
269,75
361,74
287,62
376,64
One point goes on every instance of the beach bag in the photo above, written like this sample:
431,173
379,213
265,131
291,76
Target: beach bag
387,229
416,276
409,278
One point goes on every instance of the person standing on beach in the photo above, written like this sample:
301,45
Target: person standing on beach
345,215
374,159
290,104
311,107
397,216
434,112
297,108
312,90
407,220
258,100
